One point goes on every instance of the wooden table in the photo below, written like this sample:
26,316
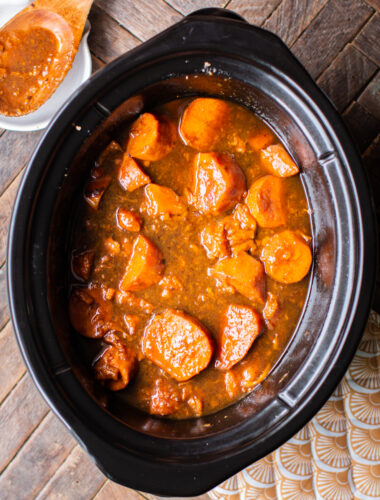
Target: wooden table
338,41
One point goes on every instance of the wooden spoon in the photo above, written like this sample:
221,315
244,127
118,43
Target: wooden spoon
37,49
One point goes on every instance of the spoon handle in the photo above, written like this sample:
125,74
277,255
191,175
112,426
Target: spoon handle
74,12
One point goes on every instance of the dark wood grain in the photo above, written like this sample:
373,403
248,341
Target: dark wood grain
291,17
346,76
186,7
368,40
335,25
254,12
16,149
20,414
107,38
4,312
12,367
143,18
77,478
41,456
96,63
370,98
6,203
113,491
363,126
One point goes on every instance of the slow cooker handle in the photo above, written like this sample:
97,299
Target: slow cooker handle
215,12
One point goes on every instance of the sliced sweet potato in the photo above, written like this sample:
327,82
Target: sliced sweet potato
89,313
218,183
202,122
82,264
261,140
161,201
145,267
128,220
277,161
266,201
214,240
95,189
151,137
287,257
244,273
240,326
117,365
178,344
130,174
165,399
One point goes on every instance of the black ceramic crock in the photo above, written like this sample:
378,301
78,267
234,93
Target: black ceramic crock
211,52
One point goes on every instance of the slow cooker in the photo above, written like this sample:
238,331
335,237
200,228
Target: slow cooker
211,52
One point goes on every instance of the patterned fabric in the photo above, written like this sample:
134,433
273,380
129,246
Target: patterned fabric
336,456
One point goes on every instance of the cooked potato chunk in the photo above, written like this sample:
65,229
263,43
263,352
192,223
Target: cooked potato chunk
130,175
218,183
277,161
202,122
244,273
145,266
178,344
161,201
287,257
266,201
240,325
151,137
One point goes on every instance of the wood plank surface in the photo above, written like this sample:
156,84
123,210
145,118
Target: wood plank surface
143,18
335,25
254,12
77,478
368,40
12,367
291,17
42,454
20,414
346,76
113,491
338,41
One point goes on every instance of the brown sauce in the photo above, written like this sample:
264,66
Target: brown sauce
207,258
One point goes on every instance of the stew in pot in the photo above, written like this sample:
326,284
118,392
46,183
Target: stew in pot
190,257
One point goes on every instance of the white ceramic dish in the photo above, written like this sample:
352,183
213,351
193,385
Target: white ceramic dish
80,71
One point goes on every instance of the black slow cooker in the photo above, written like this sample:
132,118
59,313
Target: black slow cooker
212,52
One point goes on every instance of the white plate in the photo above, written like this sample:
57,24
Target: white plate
80,71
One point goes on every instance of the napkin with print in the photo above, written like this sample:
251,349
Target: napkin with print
336,456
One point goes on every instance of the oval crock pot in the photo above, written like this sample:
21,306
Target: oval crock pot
211,52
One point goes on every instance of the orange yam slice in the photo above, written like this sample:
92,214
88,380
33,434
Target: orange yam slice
130,175
277,161
151,137
145,267
244,273
287,257
266,201
178,344
218,183
241,325
202,122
